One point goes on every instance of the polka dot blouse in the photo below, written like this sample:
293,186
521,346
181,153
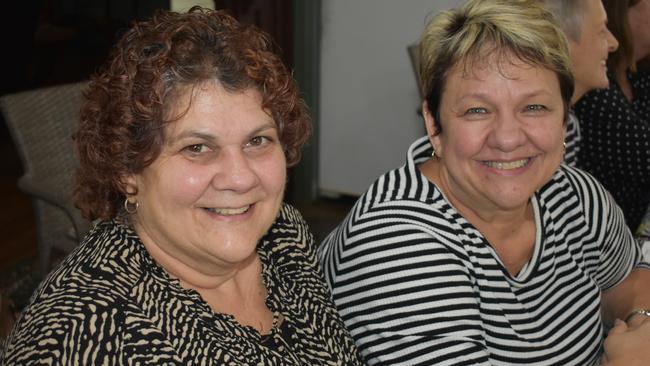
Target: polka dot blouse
615,143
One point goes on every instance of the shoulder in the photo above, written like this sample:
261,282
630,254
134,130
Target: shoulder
405,183
570,180
83,307
78,323
289,228
598,101
405,226
288,217
572,192
289,242
109,261
398,199
88,287
642,76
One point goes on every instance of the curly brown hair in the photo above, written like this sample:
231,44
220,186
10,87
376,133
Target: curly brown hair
126,103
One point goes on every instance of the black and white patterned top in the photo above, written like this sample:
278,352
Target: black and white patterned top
109,303
615,145
417,284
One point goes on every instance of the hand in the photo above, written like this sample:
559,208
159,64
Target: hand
636,320
628,345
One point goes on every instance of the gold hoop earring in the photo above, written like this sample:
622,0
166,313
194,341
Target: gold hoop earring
130,207
433,153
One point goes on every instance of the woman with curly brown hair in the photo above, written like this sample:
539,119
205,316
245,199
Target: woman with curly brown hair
184,142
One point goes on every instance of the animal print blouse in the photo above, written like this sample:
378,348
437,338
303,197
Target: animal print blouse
109,303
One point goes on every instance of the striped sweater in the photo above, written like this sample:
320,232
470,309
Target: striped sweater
417,284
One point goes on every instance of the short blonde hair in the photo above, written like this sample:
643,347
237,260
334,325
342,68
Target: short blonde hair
520,28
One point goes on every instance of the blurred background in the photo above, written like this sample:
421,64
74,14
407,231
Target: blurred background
51,42
349,57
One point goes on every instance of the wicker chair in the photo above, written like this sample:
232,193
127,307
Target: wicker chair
41,123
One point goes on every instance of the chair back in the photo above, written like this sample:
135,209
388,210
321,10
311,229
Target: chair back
41,123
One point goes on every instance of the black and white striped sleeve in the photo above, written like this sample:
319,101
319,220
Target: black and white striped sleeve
403,289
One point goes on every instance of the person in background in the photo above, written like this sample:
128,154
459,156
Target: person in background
184,141
483,249
584,23
615,122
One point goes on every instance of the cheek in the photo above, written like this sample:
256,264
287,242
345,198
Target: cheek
638,20
273,175
466,142
550,138
187,183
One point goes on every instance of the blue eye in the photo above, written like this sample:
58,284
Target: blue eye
535,107
476,110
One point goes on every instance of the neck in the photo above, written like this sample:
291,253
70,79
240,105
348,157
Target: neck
236,289
493,223
620,74
578,93
494,218
510,232
200,274
640,52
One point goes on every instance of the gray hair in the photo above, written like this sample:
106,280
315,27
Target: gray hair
569,15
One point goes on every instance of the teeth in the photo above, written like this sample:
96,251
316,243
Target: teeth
507,165
229,211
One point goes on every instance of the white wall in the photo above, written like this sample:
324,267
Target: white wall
185,5
368,94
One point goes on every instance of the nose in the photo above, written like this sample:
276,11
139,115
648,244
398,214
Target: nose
612,42
507,133
234,172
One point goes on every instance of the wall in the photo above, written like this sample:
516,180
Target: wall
368,96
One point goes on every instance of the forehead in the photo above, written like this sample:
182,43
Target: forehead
502,63
498,77
208,96
593,14
640,6
209,105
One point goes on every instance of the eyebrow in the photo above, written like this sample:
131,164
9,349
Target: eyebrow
487,96
198,134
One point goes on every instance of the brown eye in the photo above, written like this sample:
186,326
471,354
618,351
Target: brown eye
258,141
196,148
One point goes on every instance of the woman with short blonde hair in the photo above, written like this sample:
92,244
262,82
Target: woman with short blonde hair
484,249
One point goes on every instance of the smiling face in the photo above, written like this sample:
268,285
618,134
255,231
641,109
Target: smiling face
502,134
217,185
589,53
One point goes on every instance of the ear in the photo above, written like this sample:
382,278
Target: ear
430,124
129,184
429,121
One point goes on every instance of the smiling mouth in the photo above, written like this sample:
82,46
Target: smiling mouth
228,211
507,165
